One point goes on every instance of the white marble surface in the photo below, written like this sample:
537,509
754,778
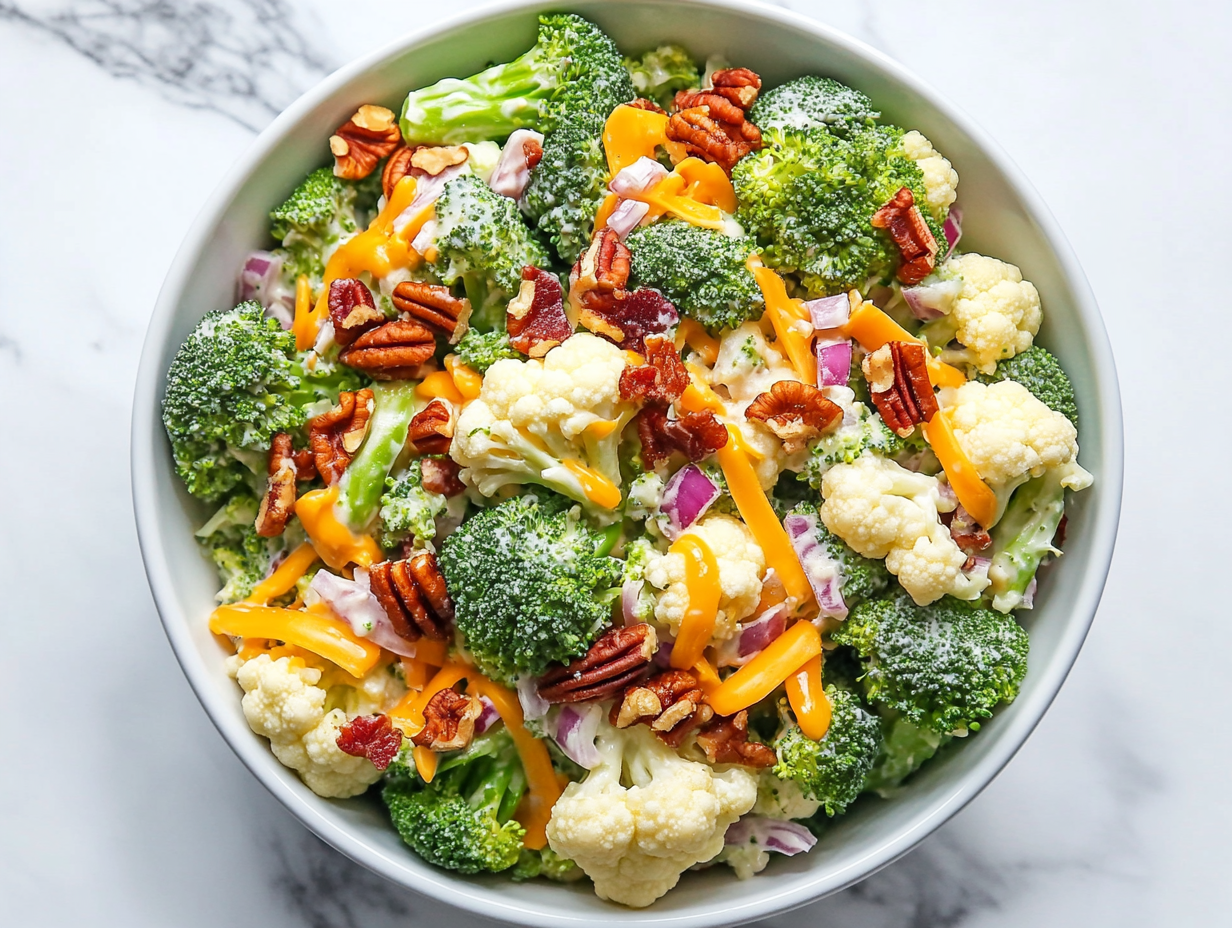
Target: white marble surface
118,801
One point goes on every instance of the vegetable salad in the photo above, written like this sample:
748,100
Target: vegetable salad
619,467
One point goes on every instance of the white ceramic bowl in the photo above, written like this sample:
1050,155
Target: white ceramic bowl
1003,217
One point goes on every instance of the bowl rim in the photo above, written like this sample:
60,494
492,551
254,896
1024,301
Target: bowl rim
480,900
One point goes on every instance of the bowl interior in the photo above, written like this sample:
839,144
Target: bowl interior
1003,217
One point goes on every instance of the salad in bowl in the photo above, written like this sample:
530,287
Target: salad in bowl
620,467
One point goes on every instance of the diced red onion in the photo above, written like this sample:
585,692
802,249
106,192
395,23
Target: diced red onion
1028,595
979,568
833,362
260,279
576,727
637,177
630,594
626,216
424,237
534,706
947,495
753,637
823,572
353,601
932,301
512,172
663,656
488,717
427,191
953,228
771,834
829,312
687,496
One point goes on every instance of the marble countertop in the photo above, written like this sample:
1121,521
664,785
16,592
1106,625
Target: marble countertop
120,801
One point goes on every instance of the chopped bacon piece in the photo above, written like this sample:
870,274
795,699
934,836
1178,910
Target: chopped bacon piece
370,736
968,534
660,380
628,318
902,219
695,435
725,739
536,316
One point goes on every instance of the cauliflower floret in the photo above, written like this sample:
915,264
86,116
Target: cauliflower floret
783,799
940,178
741,565
1010,436
995,314
635,842
282,702
883,510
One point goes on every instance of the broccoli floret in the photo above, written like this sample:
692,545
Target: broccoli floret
233,384
480,350
574,68
483,242
568,185
813,103
944,666
1023,538
848,442
832,770
243,558
810,197
662,71
547,864
904,749
316,217
463,819
527,587
1039,371
408,511
702,271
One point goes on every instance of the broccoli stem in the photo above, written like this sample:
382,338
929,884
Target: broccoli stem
607,539
489,105
359,496
1023,538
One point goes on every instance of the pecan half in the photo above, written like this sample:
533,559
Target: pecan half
440,475
431,429
721,107
796,412
694,434
434,306
725,739
627,318
723,143
897,375
412,593
661,379
670,703
392,351
904,222
279,498
363,140
352,310
535,318
603,268
336,435
739,85
433,159
968,534
449,721
619,657
396,167
370,736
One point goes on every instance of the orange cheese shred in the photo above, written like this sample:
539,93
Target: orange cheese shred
974,494
439,384
320,632
707,676
701,573
336,544
707,183
691,333
302,326
467,382
872,328
631,133
807,698
792,325
598,489
768,670
285,576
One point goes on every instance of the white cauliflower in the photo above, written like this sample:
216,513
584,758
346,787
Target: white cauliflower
282,702
783,799
883,510
533,419
995,314
741,565
635,841
1010,436
940,178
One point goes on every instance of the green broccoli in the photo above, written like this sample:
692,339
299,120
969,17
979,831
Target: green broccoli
480,350
408,511
547,864
809,197
702,271
236,382
243,558
848,442
1039,371
568,185
904,749
1023,538
813,103
394,404
463,819
944,666
527,587
574,68
483,241
318,214
662,71
831,770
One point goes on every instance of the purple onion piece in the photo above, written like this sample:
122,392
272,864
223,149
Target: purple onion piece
829,312
352,601
626,216
576,727
534,706
488,717
771,834
687,496
932,300
833,363
637,177
512,172
427,191
953,228
1028,595
823,572
630,593
663,656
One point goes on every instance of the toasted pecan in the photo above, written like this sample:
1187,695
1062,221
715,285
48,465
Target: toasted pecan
796,412
917,246
336,435
725,739
619,657
449,721
363,140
